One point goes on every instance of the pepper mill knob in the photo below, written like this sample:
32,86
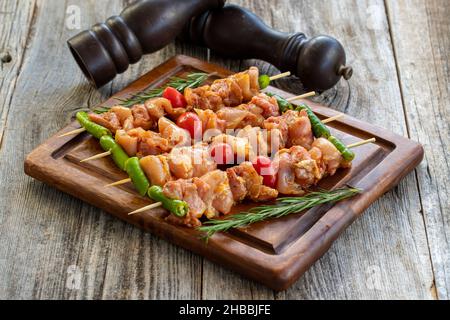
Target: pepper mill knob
143,27
235,32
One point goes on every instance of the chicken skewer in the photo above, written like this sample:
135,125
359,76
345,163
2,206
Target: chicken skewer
227,118
171,198
249,80
247,181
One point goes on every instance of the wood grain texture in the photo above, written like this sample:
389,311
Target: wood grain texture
422,45
15,30
370,260
383,255
44,232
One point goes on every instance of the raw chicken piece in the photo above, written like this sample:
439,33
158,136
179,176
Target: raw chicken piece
331,157
229,90
316,155
125,117
176,136
187,191
307,172
108,120
158,107
243,81
240,146
284,164
156,168
296,170
141,117
152,143
268,105
217,196
192,161
210,120
257,139
138,142
233,117
300,131
203,98
253,73
246,182
254,115
294,128
127,142
278,133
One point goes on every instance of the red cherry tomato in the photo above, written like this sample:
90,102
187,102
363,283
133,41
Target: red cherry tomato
261,162
222,153
192,123
270,180
263,165
176,98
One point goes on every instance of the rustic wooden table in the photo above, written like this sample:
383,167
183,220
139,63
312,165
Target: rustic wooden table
55,246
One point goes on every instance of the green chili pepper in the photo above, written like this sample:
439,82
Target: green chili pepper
264,81
319,129
347,154
137,175
283,104
117,153
177,207
96,130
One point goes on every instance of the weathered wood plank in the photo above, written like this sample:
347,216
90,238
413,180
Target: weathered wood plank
384,254
48,237
44,232
14,31
420,31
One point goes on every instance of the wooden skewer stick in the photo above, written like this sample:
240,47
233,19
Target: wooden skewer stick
360,143
151,206
76,131
97,156
280,75
302,96
118,183
333,118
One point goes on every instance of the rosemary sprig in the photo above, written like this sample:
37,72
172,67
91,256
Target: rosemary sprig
283,207
192,80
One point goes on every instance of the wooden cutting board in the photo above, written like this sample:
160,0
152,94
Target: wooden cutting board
275,252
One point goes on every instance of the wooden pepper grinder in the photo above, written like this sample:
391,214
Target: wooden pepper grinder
143,27
235,32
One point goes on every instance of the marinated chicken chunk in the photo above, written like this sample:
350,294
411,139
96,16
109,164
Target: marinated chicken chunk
139,142
257,139
192,161
203,98
156,169
296,170
108,120
268,105
209,195
293,128
229,90
217,196
245,182
176,136
232,117
240,146
331,158
211,120
141,117
159,107
187,191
